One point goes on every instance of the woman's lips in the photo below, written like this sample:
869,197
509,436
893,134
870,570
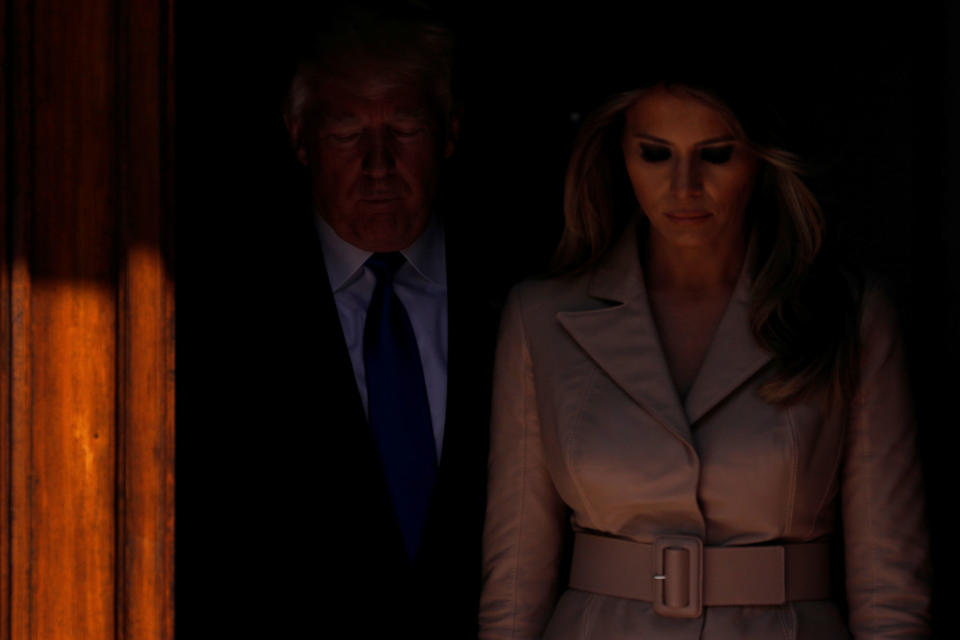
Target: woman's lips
688,215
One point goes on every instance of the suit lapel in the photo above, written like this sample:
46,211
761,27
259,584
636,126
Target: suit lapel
472,328
469,345
733,356
622,339
451,547
330,411
472,324
333,364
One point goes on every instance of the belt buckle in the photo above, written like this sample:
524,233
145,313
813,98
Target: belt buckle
678,583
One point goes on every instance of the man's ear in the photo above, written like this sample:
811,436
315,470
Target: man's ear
453,131
295,131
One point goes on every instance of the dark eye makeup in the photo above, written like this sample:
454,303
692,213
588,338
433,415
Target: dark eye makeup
717,155
713,155
654,153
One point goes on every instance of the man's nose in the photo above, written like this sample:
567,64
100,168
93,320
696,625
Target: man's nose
686,178
378,160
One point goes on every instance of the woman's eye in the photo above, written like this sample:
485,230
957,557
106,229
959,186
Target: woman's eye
654,154
717,155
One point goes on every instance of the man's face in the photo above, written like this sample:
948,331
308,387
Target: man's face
374,149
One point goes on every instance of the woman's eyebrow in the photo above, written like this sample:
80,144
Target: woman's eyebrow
718,139
647,136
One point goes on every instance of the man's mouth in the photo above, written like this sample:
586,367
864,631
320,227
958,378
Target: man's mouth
380,197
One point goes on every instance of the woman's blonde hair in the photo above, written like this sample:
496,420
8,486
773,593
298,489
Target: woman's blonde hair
804,306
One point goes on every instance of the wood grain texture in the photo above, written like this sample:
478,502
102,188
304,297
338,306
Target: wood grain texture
146,460
18,100
86,322
72,357
71,337
146,579
5,355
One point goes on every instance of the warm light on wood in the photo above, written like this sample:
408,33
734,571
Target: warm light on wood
86,321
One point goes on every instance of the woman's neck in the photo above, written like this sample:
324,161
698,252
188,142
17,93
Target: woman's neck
693,270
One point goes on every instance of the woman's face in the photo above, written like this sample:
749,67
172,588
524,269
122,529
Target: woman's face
690,174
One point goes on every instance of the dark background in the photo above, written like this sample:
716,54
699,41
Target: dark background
869,97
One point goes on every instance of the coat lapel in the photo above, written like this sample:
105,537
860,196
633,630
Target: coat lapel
622,339
733,356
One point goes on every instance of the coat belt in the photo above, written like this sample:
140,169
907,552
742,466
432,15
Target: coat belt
680,576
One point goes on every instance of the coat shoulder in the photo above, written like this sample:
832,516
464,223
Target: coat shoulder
543,296
878,310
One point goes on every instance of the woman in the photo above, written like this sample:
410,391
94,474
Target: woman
705,398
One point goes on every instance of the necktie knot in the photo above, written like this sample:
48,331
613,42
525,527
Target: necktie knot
385,265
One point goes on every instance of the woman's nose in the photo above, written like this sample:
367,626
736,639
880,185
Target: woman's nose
686,178
378,161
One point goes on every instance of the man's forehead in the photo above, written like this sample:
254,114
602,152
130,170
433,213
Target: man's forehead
362,89
340,111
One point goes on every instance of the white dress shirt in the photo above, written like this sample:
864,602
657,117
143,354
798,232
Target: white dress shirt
421,285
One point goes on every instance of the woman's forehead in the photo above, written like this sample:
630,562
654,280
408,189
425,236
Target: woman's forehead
677,116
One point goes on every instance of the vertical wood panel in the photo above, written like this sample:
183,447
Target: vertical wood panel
86,321
73,391
5,86
72,335
147,577
21,611
146,309
16,416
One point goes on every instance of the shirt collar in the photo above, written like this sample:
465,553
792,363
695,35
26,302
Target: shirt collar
344,261
427,254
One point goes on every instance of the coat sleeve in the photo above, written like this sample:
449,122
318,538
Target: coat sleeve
885,540
523,532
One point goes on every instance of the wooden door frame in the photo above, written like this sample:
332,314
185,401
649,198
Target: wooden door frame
86,320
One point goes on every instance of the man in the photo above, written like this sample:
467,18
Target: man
384,345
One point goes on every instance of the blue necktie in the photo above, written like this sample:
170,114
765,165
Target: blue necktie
397,404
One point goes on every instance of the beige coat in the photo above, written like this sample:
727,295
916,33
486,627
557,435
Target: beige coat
588,430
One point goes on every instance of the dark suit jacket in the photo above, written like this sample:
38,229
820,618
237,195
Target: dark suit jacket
340,561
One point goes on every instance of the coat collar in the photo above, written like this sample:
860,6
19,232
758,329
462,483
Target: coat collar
622,339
